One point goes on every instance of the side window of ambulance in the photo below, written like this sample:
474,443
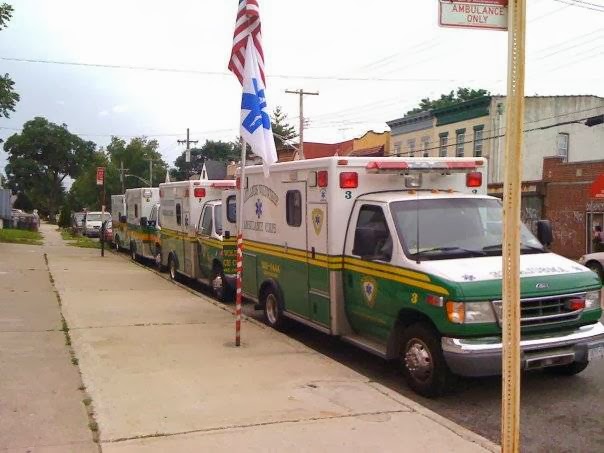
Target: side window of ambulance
372,239
178,214
232,209
206,221
136,211
293,208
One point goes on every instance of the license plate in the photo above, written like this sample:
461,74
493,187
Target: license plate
595,353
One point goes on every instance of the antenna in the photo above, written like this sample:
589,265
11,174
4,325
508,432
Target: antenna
417,260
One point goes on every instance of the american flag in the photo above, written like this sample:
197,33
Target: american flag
248,22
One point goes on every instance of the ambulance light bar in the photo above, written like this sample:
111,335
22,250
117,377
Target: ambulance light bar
426,165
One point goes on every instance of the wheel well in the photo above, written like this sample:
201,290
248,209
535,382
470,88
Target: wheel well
597,263
406,317
266,284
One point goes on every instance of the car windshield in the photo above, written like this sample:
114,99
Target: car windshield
439,229
94,217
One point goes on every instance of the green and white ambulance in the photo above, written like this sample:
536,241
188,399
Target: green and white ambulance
143,236
402,257
118,219
198,232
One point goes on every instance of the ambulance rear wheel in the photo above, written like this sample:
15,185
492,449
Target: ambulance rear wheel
423,363
218,283
172,269
273,308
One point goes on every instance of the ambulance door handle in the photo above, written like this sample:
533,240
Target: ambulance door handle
313,253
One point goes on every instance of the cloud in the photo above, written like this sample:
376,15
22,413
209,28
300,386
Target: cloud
60,102
120,108
103,113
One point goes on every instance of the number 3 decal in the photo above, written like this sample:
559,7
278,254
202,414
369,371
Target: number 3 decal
348,194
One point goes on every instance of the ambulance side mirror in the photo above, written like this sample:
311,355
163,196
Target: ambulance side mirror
144,222
227,234
544,232
364,242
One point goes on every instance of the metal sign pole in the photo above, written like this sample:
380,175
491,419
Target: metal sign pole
510,398
240,245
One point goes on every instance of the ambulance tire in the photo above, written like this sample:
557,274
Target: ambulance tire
423,363
220,292
272,303
173,268
133,253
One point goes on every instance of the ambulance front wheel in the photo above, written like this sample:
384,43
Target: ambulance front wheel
273,308
423,363
218,284
172,268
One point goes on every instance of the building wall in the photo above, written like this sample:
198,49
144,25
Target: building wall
372,139
468,125
568,205
585,143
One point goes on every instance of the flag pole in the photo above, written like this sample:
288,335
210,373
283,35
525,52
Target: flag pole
240,244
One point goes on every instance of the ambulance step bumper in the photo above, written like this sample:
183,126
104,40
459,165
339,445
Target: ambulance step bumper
482,356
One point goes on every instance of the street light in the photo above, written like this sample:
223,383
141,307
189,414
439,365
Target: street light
142,179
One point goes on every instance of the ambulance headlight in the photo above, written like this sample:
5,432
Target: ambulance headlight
592,300
470,312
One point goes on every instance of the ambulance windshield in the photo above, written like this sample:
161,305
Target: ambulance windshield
454,228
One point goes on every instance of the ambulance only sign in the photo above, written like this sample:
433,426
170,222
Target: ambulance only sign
489,14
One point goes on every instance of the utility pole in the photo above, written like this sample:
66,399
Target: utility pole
188,143
151,160
301,93
122,174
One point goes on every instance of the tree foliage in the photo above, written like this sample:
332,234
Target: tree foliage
8,97
282,130
39,160
447,100
134,156
211,150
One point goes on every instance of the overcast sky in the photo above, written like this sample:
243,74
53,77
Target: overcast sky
310,44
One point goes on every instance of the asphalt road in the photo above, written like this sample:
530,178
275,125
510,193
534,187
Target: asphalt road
558,414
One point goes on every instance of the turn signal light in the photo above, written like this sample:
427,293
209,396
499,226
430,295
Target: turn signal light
199,192
474,179
349,180
456,312
575,304
322,178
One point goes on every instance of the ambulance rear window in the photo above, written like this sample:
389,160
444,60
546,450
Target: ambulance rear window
293,208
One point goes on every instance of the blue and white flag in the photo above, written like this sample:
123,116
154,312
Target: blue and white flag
255,119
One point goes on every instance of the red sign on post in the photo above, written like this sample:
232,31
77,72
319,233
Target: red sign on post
488,14
596,189
100,176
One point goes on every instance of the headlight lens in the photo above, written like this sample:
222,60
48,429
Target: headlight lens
470,312
592,300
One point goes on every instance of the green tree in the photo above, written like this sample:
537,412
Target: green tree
211,150
8,97
39,160
447,100
283,132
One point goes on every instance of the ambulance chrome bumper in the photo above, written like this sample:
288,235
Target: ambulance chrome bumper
482,356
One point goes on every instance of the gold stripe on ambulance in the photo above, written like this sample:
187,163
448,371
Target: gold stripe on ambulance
386,268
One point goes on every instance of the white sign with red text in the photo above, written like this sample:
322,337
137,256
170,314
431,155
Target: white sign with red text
489,14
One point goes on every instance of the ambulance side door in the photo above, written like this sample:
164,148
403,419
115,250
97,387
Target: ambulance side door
204,232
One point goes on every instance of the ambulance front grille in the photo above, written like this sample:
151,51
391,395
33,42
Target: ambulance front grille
543,310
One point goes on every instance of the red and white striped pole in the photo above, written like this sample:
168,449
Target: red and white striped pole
238,296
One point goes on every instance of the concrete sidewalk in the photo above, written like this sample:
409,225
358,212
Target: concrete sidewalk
161,368
41,408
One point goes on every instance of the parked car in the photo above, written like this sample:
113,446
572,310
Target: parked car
594,261
92,223
77,221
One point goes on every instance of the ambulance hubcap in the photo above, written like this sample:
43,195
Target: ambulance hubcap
271,309
418,360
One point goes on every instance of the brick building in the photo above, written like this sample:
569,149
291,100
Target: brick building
567,203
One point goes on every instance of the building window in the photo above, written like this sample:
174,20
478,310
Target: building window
563,139
397,148
478,140
460,138
178,214
425,145
442,146
293,208
411,145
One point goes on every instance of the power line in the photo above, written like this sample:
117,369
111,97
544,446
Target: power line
582,5
224,73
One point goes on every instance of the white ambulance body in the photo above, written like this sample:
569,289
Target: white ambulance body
118,219
192,237
143,233
402,257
